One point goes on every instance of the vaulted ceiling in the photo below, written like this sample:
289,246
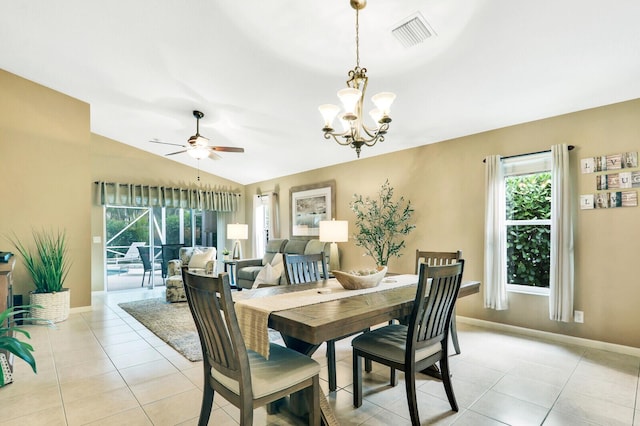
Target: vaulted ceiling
259,69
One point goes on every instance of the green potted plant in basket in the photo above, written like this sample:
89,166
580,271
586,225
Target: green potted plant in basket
381,223
48,266
225,254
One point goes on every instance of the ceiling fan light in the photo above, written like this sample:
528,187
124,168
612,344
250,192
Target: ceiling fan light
201,141
198,152
349,98
383,101
329,113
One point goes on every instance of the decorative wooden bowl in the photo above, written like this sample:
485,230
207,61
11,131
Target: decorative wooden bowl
357,282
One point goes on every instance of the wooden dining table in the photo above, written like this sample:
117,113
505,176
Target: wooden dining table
305,328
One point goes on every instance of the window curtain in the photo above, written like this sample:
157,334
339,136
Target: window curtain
495,279
274,216
132,195
561,273
265,206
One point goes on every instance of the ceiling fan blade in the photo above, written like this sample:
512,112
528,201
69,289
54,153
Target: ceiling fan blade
214,156
164,143
177,152
226,148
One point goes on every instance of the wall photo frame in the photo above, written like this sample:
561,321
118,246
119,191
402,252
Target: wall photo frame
308,205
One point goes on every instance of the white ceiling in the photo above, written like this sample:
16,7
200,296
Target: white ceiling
259,69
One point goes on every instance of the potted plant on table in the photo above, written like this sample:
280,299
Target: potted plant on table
48,266
225,254
381,223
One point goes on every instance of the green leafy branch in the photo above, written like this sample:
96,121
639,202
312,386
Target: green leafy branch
380,223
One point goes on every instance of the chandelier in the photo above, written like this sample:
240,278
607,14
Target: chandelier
355,132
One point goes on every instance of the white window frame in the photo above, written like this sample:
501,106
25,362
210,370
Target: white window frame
523,165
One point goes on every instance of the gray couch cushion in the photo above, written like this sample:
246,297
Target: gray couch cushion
249,273
273,247
316,246
295,246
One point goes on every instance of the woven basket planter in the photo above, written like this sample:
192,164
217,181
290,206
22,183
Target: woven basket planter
55,306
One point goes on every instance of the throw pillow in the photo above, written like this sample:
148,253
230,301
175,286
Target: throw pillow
200,258
269,275
277,259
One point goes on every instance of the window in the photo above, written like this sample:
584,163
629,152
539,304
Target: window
527,192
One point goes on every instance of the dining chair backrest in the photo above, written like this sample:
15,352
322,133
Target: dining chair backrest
210,302
436,258
305,268
434,304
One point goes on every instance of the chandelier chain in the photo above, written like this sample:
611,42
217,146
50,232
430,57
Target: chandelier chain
357,39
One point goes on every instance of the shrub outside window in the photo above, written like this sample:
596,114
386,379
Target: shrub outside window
528,223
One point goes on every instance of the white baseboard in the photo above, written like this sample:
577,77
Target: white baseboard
80,309
562,338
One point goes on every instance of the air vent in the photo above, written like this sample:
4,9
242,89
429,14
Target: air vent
413,30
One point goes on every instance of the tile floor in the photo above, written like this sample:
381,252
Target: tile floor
103,368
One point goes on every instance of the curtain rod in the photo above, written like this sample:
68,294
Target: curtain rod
529,153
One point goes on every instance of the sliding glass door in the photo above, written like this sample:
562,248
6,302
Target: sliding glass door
134,237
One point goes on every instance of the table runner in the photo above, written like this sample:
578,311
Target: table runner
253,314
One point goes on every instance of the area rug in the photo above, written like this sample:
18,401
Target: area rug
172,323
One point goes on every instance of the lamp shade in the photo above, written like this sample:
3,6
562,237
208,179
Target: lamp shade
334,231
237,231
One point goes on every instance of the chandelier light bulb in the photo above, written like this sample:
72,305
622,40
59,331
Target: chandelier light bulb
329,112
349,98
383,101
376,115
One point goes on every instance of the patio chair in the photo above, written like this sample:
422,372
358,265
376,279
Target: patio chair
147,263
243,377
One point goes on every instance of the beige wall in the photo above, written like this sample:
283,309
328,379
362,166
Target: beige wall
44,158
445,183
112,161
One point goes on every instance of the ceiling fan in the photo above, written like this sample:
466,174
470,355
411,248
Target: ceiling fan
198,146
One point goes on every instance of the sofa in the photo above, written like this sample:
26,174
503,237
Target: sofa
197,259
248,270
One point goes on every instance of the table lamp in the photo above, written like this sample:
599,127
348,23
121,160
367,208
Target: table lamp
237,232
334,231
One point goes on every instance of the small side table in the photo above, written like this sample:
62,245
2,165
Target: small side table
230,266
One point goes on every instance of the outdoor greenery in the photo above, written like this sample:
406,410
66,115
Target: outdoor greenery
49,263
528,246
381,223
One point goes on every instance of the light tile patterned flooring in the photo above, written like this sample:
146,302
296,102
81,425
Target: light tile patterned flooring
103,368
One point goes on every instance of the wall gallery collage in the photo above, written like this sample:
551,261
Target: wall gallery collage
624,179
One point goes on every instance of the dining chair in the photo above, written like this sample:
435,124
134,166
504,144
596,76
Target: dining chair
419,344
436,258
243,377
305,268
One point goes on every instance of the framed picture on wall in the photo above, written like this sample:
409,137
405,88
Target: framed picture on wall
309,204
